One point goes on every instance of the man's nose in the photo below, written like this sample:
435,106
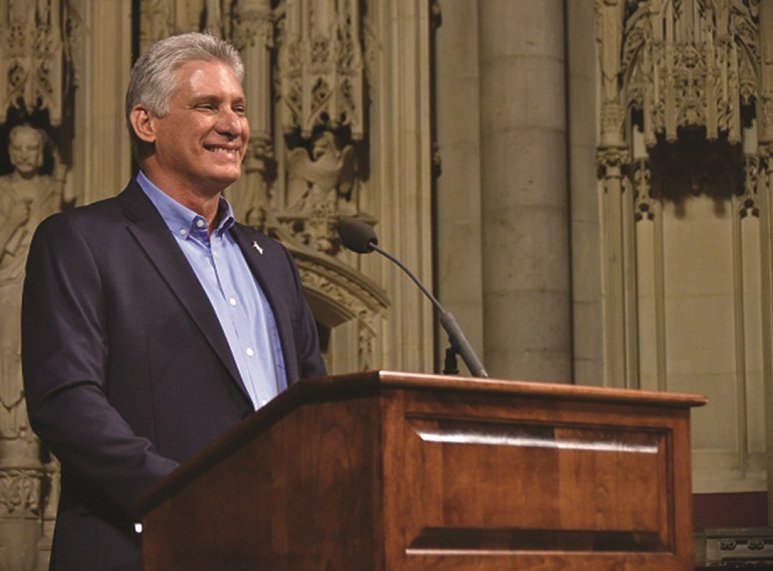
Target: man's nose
230,122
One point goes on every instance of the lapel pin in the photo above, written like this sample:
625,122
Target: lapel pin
257,247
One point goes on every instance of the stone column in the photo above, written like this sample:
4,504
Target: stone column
527,323
457,206
765,141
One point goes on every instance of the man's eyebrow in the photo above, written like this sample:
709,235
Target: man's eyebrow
213,97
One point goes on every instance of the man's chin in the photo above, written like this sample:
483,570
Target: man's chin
224,180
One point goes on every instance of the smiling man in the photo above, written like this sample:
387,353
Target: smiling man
152,322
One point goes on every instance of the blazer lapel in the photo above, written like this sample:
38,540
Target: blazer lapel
253,247
154,237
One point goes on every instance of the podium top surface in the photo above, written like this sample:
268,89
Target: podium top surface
375,382
539,389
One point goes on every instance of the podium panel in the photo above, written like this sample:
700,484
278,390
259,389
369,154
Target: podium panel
394,471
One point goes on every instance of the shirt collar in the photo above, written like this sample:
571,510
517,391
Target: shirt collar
181,220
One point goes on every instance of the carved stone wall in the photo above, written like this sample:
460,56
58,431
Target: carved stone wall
36,75
684,93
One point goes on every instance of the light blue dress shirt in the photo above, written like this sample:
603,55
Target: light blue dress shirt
241,307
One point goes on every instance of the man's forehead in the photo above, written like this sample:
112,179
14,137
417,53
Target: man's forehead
203,76
206,67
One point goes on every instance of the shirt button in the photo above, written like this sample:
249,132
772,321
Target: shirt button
200,223
250,352
184,232
232,301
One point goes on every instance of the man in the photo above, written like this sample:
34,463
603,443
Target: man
151,322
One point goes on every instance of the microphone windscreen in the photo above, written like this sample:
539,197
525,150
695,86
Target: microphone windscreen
356,235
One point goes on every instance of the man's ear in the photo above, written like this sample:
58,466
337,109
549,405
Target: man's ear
144,124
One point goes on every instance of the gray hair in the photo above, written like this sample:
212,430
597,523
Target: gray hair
153,78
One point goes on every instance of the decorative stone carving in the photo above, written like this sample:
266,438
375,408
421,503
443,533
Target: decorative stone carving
325,178
26,198
162,18
688,63
34,56
320,188
609,37
20,492
155,21
347,295
320,67
748,203
612,162
695,79
252,24
643,202
320,91
765,103
252,31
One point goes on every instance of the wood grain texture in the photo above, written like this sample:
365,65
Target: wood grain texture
389,471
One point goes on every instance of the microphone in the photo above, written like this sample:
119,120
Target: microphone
360,237
357,236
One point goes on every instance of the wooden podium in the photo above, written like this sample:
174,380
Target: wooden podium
391,471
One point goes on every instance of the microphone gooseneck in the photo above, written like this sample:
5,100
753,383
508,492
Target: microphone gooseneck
360,237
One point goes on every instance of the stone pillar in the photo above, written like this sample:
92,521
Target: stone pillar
527,323
588,318
101,147
765,141
457,207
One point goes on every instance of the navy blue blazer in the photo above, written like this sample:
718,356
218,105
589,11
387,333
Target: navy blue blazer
126,369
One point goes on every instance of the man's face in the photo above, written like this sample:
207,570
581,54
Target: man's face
201,142
26,150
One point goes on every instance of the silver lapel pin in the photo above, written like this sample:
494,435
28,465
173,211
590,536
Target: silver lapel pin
257,247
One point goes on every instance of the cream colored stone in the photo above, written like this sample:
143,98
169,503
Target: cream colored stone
532,93
518,169
537,23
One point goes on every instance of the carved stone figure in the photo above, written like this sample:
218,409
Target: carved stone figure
325,180
26,198
320,187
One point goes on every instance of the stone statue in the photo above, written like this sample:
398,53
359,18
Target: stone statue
320,188
26,197
325,180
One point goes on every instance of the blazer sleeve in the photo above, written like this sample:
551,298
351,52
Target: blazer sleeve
65,344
